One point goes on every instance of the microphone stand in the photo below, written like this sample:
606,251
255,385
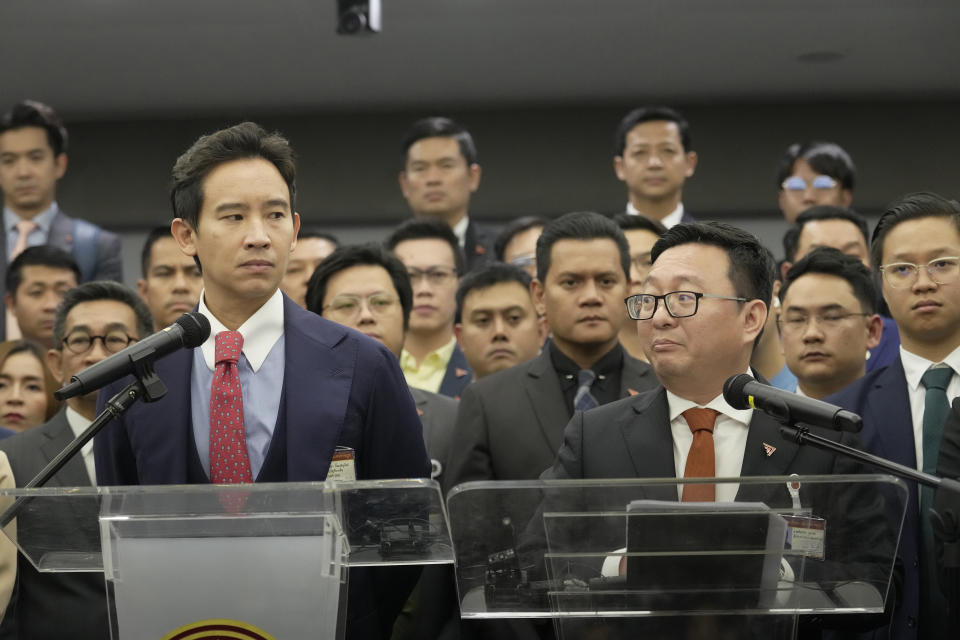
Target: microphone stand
147,386
946,526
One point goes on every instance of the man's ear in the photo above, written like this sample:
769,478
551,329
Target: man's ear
185,235
618,167
8,300
60,165
692,160
458,332
784,267
296,230
755,317
476,172
142,288
846,198
54,357
402,179
874,331
536,292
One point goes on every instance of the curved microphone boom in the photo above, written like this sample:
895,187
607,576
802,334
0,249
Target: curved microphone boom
744,392
189,331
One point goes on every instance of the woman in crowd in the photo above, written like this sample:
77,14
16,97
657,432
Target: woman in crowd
26,386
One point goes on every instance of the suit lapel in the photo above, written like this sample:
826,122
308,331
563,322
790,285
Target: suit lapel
649,441
167,426
457,376
58,435
759,460
890,405
548,405
635,376
61,232
420,398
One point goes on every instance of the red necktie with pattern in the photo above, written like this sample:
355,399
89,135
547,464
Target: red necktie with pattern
701,459
229,461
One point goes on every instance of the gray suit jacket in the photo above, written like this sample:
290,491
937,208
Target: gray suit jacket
437,415
47,605
510,424
109,261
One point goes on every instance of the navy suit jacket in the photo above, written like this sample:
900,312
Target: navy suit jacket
340,388
882,400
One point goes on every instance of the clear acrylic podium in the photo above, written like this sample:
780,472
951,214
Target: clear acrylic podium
625,558
260,560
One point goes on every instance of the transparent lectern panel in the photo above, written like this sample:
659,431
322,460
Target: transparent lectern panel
823,544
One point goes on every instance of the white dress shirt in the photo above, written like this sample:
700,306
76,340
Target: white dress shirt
914,367
460,230
78,424
729,440
672,219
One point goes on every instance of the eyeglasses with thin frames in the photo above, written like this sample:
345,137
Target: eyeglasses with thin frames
679,304
347,307
829,321
437,276
903,274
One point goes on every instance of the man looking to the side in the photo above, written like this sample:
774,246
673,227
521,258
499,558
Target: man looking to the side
36,281
498,325
307,385
828,321
94,321
171,281
431,359
654,157
641,233
440,174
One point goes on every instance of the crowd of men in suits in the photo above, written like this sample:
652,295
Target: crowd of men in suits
573,347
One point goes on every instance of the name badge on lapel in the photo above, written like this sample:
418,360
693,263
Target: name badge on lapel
342,466
805,533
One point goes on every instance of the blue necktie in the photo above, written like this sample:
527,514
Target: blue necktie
935,410
584,400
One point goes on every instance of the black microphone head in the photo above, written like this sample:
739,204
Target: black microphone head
196,328
733,390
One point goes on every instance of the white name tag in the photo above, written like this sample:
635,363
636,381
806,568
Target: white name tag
342,466
806,535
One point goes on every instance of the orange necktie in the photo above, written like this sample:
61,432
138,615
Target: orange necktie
701,459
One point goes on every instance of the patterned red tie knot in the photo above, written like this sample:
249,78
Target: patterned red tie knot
700,419
229,345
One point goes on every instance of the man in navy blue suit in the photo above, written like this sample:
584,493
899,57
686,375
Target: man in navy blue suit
915,245
303,393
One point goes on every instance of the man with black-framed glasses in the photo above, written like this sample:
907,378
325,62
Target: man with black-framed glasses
93,321
915,245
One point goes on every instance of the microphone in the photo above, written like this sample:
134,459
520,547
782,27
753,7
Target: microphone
743,392
189,331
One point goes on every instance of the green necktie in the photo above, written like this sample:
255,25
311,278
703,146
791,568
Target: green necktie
935,410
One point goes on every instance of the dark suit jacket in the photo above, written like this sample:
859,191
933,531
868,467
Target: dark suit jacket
510,424
457,376
478,246
340,388
109,261
437,415
882,400
44,605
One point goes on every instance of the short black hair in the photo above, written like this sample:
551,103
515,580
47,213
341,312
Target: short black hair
923,204
146,254
487,276
31,113
101,290
648,114
421,228
629,222
310,232
354,256
40,256
791,239
439,127
752,266
826,158
833,262
242,141
511,229
580,225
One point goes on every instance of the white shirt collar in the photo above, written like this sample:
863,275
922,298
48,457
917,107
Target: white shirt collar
460,230
678,405
78,424
260,332
914,366
672,219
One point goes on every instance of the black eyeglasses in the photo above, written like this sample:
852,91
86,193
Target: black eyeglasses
680,304
79,342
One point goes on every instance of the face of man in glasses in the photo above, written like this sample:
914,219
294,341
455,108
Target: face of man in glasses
364,298
433,276
927,313
93,318
824,341
523,248
794,201
693,356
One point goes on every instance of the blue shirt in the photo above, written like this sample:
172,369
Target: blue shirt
38,236
261,368
785,380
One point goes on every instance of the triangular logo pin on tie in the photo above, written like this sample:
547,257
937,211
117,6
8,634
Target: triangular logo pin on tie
460,372
632,392
769,448
480,250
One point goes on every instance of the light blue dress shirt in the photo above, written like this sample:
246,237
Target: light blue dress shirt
38,236
261,386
